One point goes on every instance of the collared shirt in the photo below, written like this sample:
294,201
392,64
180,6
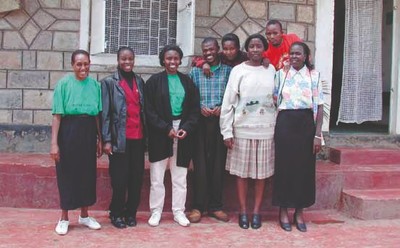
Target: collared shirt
212,88
300,89
134,129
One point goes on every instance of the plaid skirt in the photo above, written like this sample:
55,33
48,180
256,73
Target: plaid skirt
251,158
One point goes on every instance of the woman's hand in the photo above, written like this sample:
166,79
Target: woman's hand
286,65
99,148
181,134
206,111
207,70
55,152
107,148
229,143
216,111
275,100
265,62
172,134
317,144
54,149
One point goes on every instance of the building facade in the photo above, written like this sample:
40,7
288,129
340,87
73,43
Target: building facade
37,38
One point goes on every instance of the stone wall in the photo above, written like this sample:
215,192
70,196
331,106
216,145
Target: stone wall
38,36
35,49
245,17
36,41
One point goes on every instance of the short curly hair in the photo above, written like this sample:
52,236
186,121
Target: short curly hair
307,53
231,37
125,48
169,48
76,52
255,36
274,22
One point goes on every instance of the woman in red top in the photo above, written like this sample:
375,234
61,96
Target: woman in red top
123,135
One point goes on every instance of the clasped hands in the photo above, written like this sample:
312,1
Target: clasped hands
180,134
207,112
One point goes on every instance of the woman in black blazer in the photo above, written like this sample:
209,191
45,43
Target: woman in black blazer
172,110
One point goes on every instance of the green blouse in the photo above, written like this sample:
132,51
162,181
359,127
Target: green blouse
176,94
74,97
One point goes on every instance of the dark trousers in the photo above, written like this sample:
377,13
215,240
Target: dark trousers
209,163
126,173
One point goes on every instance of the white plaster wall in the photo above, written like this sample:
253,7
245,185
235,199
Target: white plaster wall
324,46
84,25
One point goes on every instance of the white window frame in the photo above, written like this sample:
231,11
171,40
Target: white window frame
394,117
92,35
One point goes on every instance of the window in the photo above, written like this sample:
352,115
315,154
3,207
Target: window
144,25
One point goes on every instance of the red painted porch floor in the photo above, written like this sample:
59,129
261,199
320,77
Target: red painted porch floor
35,228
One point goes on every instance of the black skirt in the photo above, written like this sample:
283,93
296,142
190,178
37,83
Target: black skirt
76,171
294,178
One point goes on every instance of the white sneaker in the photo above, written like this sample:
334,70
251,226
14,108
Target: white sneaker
181,219
62,227
155,219
89,222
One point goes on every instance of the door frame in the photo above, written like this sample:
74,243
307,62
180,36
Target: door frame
394,117
324,57
324,26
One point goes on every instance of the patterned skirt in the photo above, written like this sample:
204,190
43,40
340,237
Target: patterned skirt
251,158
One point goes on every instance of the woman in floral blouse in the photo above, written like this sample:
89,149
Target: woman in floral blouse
299,99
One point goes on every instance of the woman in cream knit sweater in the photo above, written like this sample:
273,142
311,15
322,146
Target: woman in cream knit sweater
247,123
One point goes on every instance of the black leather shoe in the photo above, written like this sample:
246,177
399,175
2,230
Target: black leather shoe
118,222
256,221
300,226
284,225
244,221
130,221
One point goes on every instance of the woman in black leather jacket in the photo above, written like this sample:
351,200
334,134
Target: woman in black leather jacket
123,133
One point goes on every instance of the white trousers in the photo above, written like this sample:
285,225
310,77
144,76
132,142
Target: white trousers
178,178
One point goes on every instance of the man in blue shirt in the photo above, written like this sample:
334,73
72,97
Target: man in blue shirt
210,154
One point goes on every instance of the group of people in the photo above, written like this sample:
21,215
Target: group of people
256,114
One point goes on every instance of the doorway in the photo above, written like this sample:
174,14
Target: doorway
381,126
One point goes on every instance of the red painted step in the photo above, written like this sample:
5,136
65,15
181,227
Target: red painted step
372,204
371,176
29,181
364,156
